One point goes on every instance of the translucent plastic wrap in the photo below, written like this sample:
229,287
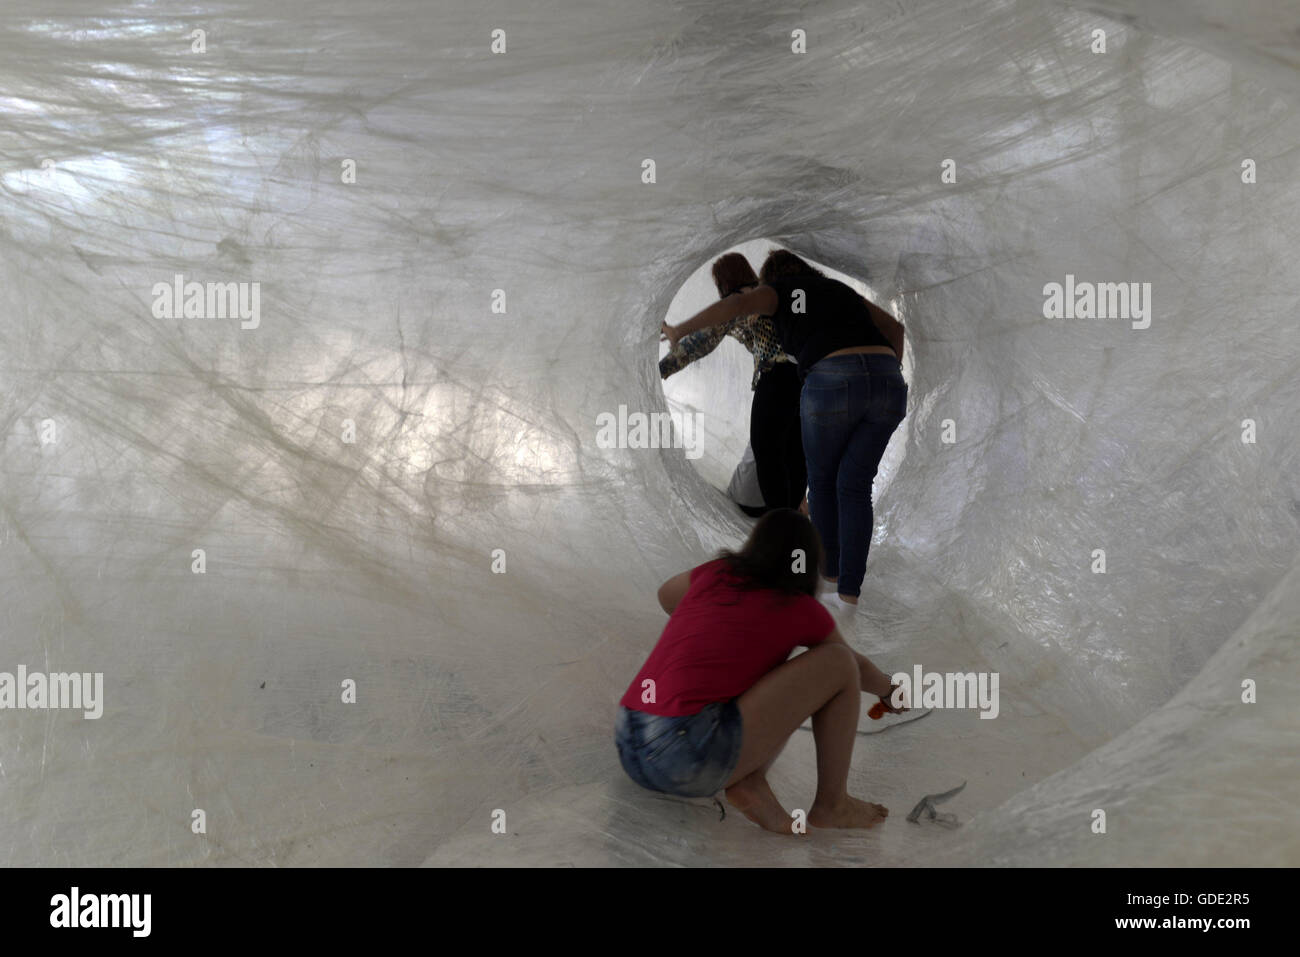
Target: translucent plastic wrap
377,470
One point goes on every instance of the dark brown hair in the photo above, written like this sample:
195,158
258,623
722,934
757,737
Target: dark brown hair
782,262
782,541
732,271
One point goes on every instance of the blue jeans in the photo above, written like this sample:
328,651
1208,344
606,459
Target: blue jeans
849,407
689,756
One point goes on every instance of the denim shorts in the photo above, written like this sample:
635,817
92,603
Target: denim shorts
688,756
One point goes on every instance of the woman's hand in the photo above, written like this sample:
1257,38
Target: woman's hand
888,701
671,333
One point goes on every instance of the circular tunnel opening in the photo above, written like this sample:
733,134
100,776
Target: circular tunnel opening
716,387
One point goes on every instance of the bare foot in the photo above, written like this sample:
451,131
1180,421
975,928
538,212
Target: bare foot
848,813
752,797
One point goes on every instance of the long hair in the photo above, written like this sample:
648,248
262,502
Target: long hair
783,552
731,272
782,262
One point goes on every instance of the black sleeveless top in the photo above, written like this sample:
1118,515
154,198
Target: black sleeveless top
832,317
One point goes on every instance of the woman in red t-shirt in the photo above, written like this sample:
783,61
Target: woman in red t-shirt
717,700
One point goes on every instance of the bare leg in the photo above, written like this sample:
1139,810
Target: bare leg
826,683
753,797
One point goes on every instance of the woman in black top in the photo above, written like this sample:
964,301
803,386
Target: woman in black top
849,353
774,414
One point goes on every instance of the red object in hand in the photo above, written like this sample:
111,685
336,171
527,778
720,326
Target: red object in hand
876,711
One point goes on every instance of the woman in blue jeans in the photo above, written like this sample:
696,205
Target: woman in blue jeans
849,352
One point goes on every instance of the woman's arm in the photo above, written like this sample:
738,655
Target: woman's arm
889,327
761,300
695,346
870,678
673,590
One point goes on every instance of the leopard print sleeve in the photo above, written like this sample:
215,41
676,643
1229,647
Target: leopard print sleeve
690,348
755,333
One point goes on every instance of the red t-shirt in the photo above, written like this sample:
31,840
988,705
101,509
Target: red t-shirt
713,650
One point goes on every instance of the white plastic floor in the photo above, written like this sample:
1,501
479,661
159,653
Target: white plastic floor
129,441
